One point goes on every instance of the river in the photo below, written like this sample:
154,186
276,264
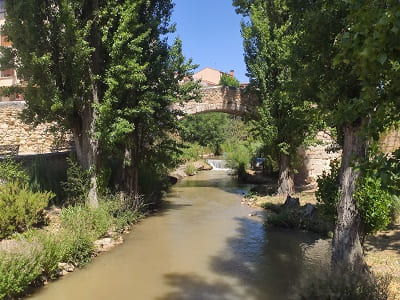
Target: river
202,245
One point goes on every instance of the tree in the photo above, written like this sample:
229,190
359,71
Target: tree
284,120
58,54
208,130
335,49
228,80
143,79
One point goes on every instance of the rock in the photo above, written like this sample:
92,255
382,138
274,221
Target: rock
106,244
66,267
308,210
291,202
252,214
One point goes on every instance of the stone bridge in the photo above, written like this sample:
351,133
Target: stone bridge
232,101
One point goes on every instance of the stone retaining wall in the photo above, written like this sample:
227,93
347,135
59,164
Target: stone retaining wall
14,132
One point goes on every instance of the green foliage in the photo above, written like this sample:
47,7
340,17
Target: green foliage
12,171
229,81
208,130
78,183
374,204
285,120
193,151
82,219
20,208
190,169
375,194
135,120
18,271
328,193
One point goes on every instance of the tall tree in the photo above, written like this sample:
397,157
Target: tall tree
284,119
144,78
58,54
337,48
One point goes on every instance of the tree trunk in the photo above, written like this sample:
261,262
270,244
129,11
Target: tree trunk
347,249
87,149
285,181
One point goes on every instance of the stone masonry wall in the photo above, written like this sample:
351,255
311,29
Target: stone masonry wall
14,132
221,99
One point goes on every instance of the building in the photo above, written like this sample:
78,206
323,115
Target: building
7,77
210,77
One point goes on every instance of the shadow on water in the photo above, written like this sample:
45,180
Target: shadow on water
264,264
192,287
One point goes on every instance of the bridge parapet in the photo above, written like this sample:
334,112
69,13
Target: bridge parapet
221,99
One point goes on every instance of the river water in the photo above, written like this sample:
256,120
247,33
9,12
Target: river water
202,245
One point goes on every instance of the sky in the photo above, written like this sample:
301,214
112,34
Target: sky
210,34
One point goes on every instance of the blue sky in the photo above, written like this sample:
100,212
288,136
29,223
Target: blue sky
210,33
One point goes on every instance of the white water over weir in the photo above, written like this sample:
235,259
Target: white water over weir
218,164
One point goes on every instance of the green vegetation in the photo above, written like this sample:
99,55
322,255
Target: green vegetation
20,208
190,169
12,171
328,194
228,80
375,195
284,120
77,185
38,252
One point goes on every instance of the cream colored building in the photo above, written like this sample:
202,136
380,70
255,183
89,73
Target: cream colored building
7,77
209,76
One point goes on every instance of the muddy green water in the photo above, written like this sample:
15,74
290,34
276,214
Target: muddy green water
202,245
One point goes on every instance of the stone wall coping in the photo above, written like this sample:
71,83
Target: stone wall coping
12,104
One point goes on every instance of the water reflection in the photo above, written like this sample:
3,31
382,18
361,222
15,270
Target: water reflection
202,245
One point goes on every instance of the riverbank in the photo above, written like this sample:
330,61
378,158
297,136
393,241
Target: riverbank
72,237
190,168
382,250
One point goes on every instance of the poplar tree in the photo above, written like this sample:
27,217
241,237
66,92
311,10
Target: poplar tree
104,71
285,120
350,63
58,55
145,77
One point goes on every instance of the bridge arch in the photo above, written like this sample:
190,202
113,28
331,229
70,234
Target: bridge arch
228,100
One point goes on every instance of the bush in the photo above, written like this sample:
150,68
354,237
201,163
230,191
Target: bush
374,204
228,80
12,171
239,159
20,208
78,183
328,193
190,169
18,271
82,219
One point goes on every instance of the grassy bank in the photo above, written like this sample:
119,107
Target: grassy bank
32,258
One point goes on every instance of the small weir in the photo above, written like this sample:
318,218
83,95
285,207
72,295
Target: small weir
218,164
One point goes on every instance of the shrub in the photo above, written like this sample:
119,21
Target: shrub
228,80
12,171
84,219
374,204
20,208
18,271
190,169
78,183
328,193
